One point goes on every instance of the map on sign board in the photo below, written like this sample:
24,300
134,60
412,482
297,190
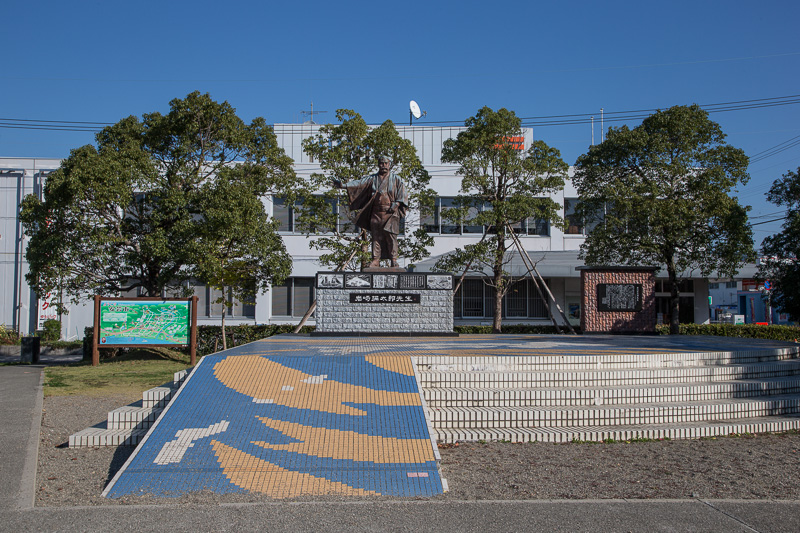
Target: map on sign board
144,322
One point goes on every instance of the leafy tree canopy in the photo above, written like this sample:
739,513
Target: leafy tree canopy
143,208
501,185
782,250
348,151
660,195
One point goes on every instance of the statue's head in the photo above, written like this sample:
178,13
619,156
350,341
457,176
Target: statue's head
384,157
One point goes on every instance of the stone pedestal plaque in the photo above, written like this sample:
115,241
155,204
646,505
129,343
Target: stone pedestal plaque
384,303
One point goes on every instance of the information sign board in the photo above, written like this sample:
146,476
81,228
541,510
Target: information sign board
137,322
145,322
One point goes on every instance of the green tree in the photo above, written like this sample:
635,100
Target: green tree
129,213
781,251
660,196
501,186
241,253
347,151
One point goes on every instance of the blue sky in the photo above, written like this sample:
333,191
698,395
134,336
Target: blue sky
99,61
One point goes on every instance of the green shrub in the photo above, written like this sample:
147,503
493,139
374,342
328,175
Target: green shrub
8,335
51,331
209,338
63,345
744,331
518,329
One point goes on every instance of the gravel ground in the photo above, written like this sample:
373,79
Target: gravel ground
760,467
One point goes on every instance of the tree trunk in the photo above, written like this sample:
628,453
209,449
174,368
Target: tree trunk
224,339
497,324
674,300
499,282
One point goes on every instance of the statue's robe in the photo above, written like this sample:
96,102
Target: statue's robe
364,192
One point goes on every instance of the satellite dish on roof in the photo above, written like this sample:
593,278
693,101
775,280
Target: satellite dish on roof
415,109
414,112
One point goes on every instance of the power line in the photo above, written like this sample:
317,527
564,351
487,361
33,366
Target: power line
770,221
767,215
537,121
775,150
56,121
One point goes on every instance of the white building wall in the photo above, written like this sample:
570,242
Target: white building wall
19,177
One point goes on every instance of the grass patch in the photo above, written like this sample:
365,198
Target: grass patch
129,373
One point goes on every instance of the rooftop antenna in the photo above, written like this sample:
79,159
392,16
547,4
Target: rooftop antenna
414,112
311,114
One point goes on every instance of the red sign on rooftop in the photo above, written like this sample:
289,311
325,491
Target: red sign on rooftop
516,143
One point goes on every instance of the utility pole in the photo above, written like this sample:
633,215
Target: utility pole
602,133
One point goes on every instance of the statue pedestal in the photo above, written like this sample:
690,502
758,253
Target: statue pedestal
384,302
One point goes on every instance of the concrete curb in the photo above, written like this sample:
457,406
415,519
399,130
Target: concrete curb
27,492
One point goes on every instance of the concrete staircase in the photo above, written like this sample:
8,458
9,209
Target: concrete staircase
620,397
127,425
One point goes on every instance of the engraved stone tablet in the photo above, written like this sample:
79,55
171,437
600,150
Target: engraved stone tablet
357,281
330,281
619,297
440,282
412,281
384,281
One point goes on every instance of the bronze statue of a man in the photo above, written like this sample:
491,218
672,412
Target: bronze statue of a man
380,201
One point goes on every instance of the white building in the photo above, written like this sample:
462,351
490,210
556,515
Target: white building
556,250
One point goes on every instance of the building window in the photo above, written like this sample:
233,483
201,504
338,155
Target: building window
438,222
450,226
210,306
684,286
289,217
575,223
537,226
283,213
293,298
685,309
713,286
475,299
730,284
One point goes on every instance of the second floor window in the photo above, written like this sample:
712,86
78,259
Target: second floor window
439,223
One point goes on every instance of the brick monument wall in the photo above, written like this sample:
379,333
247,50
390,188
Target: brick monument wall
618,299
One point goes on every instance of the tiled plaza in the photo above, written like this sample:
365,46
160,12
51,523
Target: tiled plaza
294,416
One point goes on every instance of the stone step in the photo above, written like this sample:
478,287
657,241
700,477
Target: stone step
159,396
511,397
770,424
654,413
100,436
128,425
606,378
590,362
132,417
180,376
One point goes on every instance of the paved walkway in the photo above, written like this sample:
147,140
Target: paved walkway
47,358
289,417
295,416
